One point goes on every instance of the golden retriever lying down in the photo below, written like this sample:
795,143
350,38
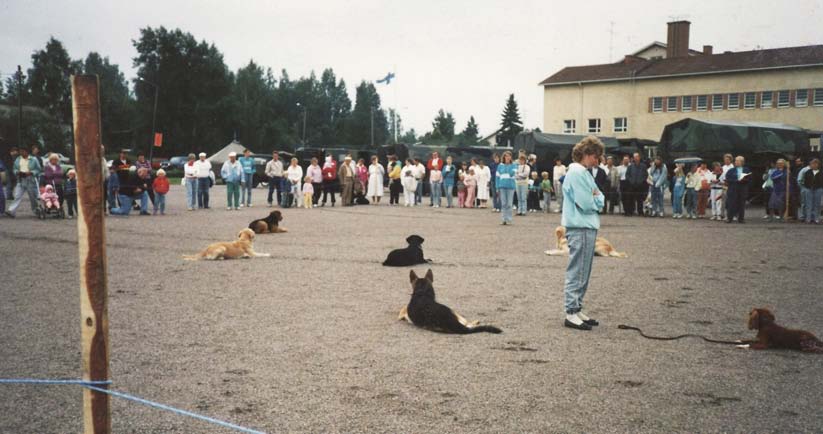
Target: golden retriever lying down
242,248
602,246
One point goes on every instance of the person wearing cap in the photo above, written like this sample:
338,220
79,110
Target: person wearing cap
346,176
121,166
129,192
190,178
232,174
202,168
247,181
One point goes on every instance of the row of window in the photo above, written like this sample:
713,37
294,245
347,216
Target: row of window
732,101
620,125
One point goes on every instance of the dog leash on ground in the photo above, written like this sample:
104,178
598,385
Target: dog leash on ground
672,338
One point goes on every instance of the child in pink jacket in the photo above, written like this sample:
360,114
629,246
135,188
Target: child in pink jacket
471,187
50,198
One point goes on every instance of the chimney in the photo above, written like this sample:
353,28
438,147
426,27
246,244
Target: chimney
708,50
677,42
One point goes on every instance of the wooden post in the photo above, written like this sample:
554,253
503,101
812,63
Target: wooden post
91,234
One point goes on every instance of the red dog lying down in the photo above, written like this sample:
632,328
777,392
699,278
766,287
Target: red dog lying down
771,335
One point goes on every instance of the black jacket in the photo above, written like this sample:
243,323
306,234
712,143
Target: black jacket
811,181
601,179
636,174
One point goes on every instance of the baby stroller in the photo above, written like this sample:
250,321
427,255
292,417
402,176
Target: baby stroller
43,210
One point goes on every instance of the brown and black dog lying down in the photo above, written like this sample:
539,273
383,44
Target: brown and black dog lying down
423,311
771,335
242,248
602,246
268,225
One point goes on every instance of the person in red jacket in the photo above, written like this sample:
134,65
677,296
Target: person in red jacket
329,179
160,187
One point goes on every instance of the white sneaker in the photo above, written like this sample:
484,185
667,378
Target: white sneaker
241,205
249,205
228,208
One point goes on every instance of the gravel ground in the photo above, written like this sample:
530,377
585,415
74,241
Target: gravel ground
308,341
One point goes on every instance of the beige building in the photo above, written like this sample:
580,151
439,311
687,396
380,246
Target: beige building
663,83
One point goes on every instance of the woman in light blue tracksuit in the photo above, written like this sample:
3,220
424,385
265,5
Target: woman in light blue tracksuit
504,182
581,202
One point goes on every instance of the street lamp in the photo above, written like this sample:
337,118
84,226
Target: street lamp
153,117
305,109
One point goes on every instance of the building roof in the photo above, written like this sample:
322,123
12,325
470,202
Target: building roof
639,69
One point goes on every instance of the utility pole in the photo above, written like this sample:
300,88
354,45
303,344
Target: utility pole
153,117
19,106
305,111
372,127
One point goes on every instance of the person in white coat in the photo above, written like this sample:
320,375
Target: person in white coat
484,176
375,188
408,176
203,169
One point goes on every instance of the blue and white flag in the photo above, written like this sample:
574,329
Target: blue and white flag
387,79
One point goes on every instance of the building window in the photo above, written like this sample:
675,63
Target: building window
801,98
766,99
702,103
671,104
782,98
657,104
594,126
717,102
621,125
818,97
734,101
686,103
569,126
750,100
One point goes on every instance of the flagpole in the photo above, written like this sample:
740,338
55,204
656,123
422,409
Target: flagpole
396,106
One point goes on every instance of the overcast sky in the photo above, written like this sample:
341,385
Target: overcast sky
463,56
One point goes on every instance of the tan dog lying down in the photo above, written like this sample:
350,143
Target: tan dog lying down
602,246
242,248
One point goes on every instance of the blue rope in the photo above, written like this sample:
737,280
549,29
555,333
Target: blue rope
92,385
36,381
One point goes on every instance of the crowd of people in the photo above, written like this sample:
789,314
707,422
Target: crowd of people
509,185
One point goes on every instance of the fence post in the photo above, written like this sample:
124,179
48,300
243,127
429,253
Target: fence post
91,234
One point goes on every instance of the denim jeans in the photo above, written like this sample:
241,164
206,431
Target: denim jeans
506,201
418,193
581,256
691,201
26,185
245,189
547,201
203,192
233,194
274,184
657,200
448,192
436,192
191,193
159,203
804,199
126,203
814,198
677,199
493,194
522,198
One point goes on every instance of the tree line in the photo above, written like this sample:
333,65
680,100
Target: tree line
202,104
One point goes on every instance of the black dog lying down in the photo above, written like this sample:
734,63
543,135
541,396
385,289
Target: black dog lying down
423,311
411,255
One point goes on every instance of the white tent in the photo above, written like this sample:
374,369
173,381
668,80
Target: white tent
222,155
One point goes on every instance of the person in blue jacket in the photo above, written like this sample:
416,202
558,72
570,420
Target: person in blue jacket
581,202
505,185
738,179
247,180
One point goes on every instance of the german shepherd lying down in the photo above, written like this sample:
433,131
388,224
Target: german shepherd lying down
602,246
423,311
268,225
410,255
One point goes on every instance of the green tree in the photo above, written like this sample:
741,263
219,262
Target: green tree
334,109
11,96
194,106
48,82
443,126
471,134
116,103
511,124
395,123
366,108
253,106
409,137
